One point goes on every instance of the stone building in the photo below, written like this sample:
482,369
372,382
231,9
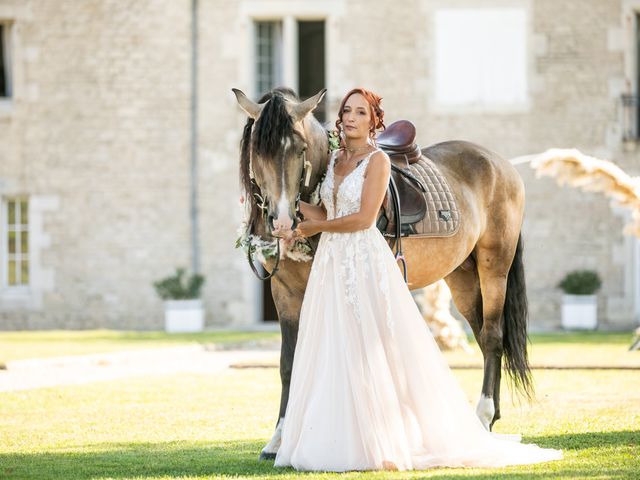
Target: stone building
95,135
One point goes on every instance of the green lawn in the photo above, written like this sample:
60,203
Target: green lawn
213,426
38,344
197,426
575,349
585,349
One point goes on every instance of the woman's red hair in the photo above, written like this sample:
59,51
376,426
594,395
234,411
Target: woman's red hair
377,113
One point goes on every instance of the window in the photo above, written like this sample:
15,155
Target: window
5,72
268,44
15,241
481,57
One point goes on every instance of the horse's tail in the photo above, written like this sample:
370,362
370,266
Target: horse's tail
514,327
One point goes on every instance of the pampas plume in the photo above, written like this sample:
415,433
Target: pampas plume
572,167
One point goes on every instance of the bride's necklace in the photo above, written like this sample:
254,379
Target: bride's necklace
356,149
352,151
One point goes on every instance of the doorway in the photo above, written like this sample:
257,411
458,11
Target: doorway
311,79
311,62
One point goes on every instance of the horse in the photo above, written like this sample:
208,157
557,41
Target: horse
482,263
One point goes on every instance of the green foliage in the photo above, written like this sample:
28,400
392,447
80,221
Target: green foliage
263,250
255,245
580,282
179,286
334,140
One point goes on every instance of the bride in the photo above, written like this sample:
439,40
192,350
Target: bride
370,389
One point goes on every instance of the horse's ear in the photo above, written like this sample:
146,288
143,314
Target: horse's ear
251,108
300,110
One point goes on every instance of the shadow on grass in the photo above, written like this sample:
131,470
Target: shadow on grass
240,458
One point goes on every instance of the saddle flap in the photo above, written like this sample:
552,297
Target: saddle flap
412,202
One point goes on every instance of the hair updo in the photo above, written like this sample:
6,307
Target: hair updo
377,113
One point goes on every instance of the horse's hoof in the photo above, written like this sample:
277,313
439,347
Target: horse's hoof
267,456
485,411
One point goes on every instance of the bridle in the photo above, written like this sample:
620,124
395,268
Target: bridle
262,204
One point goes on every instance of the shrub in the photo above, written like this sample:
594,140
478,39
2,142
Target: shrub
179,287
580,282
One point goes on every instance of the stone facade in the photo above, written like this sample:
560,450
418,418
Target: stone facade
97,136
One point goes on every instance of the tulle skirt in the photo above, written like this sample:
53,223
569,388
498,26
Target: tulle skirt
369,383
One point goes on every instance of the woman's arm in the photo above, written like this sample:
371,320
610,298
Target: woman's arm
312,212
373,191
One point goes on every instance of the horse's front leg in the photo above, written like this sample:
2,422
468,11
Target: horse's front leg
289,330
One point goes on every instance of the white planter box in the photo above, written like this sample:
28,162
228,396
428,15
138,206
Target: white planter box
183,316
579,312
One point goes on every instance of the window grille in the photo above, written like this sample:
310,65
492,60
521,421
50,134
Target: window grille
16,242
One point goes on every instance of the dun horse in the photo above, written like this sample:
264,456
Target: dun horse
481,263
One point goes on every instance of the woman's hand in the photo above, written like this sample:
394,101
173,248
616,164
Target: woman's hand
308,228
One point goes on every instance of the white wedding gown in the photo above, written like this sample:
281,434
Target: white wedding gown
369,383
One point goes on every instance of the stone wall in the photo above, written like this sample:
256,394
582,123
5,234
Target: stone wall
98,136
100,122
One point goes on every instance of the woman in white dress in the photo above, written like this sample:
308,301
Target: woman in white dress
370,389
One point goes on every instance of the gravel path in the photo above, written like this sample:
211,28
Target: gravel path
82,369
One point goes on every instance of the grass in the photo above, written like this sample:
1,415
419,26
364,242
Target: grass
559,350
198,426
576,349
214,426
569,349
40,344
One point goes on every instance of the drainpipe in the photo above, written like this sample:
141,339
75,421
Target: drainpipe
195,242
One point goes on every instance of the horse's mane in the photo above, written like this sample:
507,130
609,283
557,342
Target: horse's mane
273,125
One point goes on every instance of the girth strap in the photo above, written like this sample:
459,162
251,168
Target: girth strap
395,199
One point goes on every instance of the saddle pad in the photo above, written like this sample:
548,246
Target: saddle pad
442,218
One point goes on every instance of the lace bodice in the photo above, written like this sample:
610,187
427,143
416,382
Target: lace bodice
349,192
354,252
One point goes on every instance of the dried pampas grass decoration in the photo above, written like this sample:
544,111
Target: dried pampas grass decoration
572,167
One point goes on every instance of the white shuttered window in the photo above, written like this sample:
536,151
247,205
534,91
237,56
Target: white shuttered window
481,57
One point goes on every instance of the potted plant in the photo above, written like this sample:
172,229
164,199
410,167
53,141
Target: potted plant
183,310
579,302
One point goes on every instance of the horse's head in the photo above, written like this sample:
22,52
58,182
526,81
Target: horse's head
274,150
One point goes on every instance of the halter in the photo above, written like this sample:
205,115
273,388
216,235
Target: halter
262,204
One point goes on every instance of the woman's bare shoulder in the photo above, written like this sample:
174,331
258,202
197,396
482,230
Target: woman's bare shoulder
380,156
380,159
378,162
